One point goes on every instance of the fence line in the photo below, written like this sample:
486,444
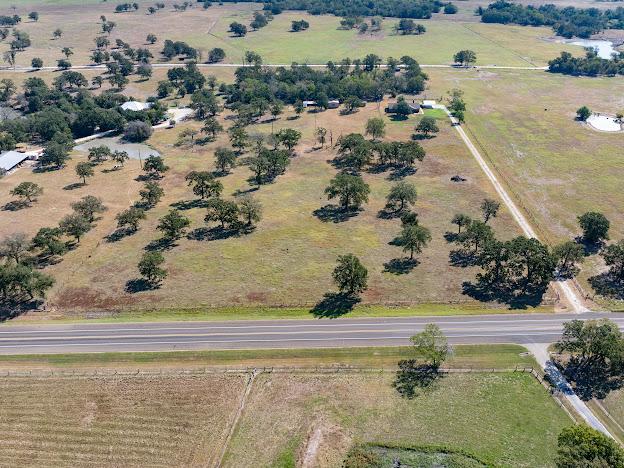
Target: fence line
173,372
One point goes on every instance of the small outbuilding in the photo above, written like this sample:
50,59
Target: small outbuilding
136,106
309,104
333,104
428,104
9,160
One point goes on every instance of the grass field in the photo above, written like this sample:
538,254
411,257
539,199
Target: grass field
614,404
162,417
556,167
132,421
463,356
506,419
206,29
288,259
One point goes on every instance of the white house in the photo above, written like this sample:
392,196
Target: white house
428,104
136,106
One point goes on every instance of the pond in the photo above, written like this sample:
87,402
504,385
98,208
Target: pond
604,123
604,48
134,150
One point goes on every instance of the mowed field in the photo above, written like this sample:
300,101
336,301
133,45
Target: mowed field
131,421
206,29
557,167
508,419
288,259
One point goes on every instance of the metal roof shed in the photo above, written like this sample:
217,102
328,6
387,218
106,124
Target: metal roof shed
10,159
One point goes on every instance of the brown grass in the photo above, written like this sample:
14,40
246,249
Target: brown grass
129,421
289,257
507,419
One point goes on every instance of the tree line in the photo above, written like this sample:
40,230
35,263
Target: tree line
590,65
567,21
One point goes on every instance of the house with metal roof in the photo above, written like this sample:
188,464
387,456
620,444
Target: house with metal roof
136,106
9,160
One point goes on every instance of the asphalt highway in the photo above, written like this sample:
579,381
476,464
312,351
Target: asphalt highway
313,333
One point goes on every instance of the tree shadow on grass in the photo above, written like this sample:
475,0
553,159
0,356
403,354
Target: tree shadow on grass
462,258
189,204
389,213
239,192
213,233
11,308
400,266
484,291
401,172
160,245
413,378
119,234
334,213
608,285
589,248
15,205
422,136
138,285
74,186
334,305
450,236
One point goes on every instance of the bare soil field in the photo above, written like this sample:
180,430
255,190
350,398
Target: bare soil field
116,421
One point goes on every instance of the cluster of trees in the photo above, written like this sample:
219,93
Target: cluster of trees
260,20
19,279
187,79
300,25
595,353
512,268
385,8
590,65
173,49
19,43
465,57
67,111
580,445
256,87
355,152
567,22
456,105
122,7
6,20
157,6
408,26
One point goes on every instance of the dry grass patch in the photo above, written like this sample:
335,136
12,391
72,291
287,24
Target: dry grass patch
115,421
507,419
288,259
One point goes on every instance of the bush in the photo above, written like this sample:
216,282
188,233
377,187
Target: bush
137,131
450,9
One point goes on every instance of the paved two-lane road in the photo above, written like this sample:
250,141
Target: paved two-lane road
169,336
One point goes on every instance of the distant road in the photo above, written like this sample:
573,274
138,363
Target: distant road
272,65
312,333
